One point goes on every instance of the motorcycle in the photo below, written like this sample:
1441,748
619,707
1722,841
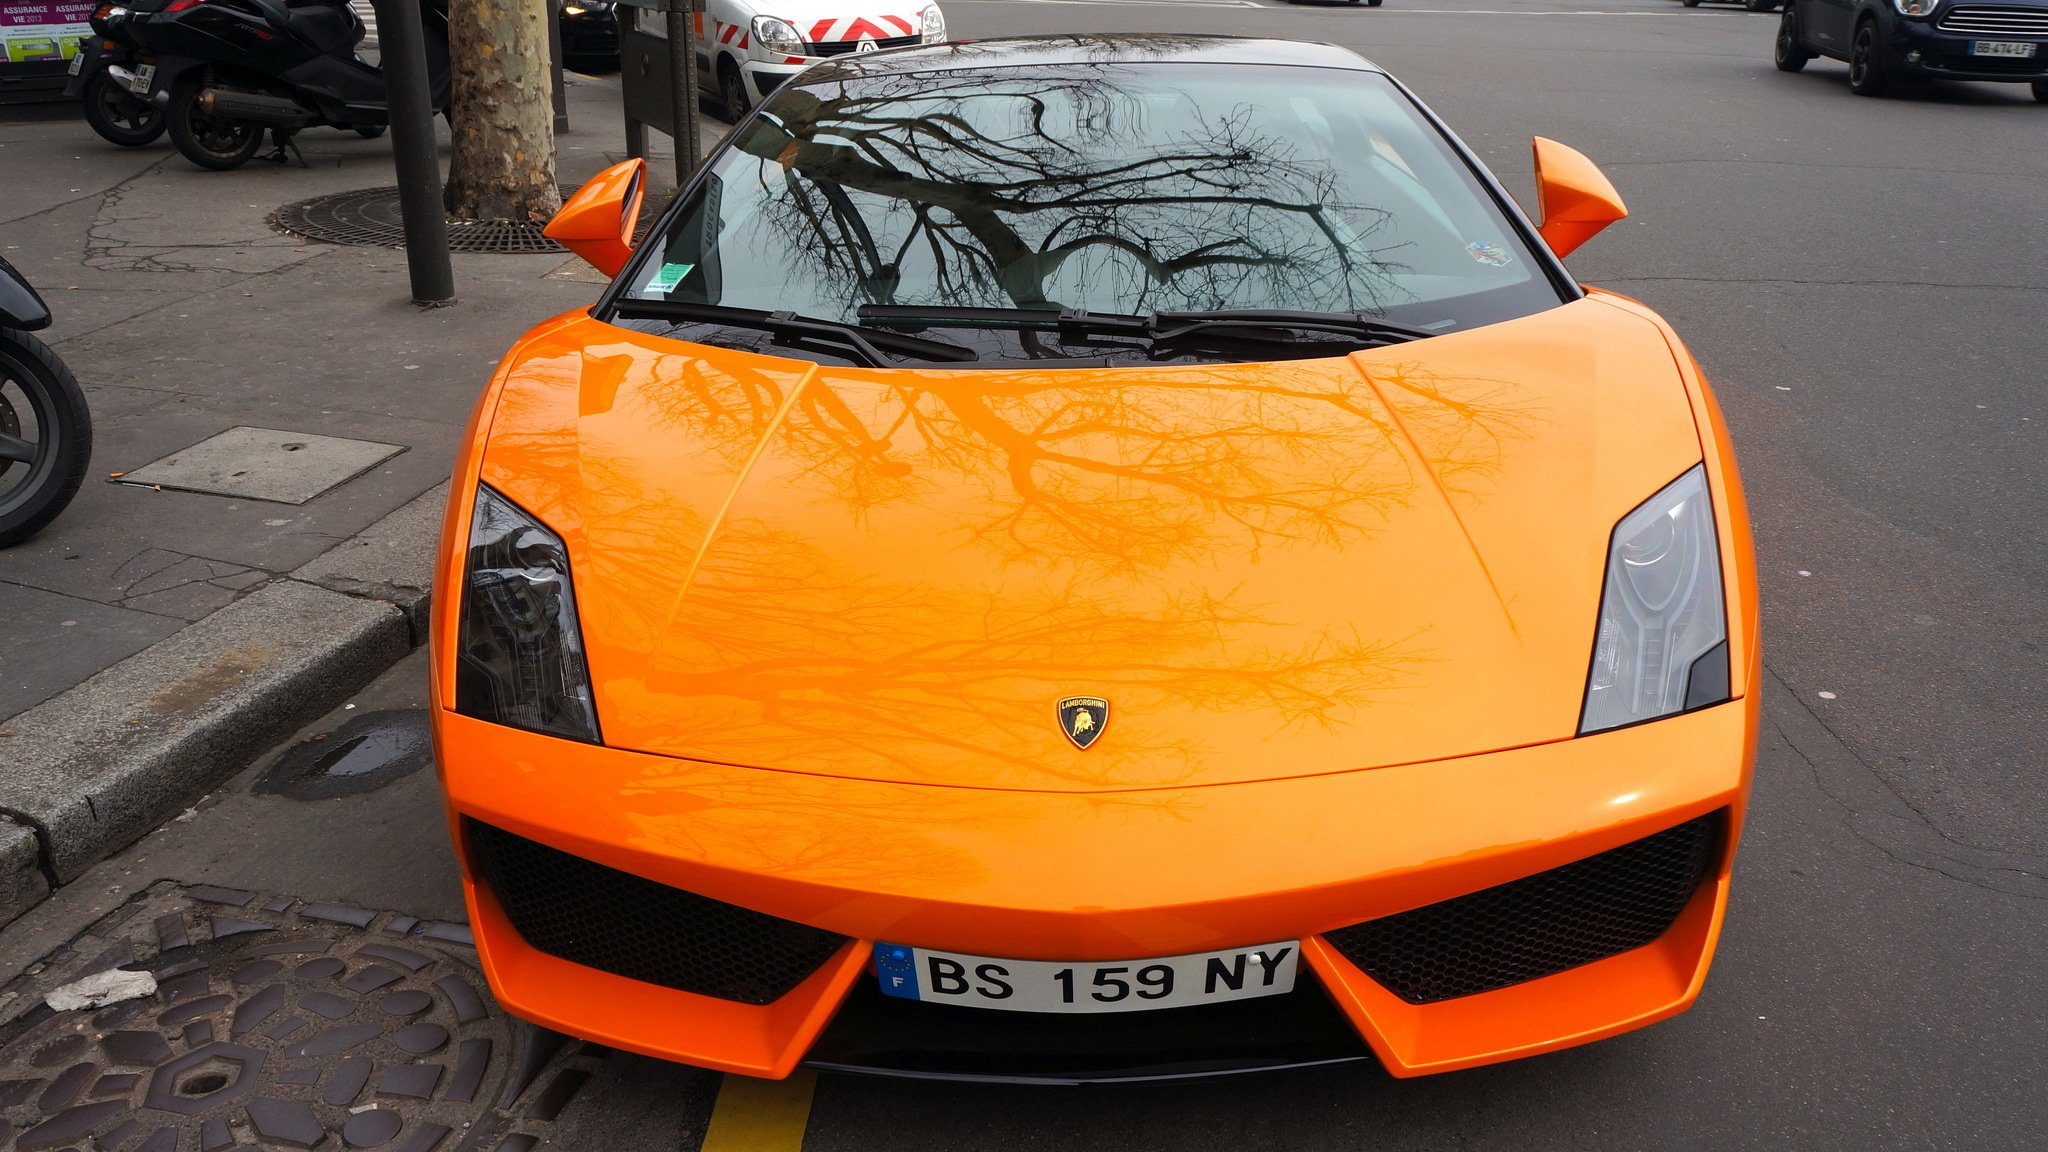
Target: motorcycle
103,80
226,71
45,428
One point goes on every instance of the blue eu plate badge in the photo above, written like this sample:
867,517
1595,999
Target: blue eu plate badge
897,968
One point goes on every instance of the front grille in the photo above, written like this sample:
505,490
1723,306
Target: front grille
1986,20
613,921
843,47
1539,925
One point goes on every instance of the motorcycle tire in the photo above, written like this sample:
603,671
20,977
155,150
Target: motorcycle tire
118,116
211,142
35,490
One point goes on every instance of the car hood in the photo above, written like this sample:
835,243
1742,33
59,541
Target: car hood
1267,570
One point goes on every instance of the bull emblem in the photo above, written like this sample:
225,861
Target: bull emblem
1081,719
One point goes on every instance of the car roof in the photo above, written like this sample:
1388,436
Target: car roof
1106,48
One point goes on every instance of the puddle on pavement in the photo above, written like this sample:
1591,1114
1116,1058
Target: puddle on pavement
363,755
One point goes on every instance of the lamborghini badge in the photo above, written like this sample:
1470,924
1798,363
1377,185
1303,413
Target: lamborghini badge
1082,718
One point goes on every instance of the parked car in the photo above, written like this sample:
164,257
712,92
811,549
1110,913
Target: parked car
974,596
590,35
747,48
1889,41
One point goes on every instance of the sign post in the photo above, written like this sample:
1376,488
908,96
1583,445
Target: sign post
658,78
416,153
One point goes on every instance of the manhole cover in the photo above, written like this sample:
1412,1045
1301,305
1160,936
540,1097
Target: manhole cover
263,464
369,218
276,1024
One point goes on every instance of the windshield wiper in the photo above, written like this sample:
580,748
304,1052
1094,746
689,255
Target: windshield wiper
867,344
1172,325
1261,325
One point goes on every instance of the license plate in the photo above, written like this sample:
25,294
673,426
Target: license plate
2002,48
1106,986
78,64
143,75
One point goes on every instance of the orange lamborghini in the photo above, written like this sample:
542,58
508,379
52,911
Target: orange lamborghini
1096,558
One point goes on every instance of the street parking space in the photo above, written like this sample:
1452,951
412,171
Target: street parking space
1860,279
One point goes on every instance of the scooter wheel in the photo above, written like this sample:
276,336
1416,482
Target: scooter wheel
119,116
210,141
34,383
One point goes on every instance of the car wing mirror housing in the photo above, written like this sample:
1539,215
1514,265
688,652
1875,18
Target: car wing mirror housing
597,222
1575,198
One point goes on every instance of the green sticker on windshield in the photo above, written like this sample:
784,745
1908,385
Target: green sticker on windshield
669,276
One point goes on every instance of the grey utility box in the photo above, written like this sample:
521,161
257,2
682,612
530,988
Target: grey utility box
654,80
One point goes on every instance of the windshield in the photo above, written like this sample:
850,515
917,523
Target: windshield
1116,188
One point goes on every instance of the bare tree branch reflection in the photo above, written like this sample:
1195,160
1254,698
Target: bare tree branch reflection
998,189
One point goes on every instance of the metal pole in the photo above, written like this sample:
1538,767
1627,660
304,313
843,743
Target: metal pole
682,86
555,66
402,50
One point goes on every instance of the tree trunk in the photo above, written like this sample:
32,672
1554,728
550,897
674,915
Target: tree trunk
502,116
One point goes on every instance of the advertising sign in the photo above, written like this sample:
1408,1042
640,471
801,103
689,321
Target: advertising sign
41,31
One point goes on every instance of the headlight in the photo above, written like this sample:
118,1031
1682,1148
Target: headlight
1915,7
521,659
774,35
934,22
1662,644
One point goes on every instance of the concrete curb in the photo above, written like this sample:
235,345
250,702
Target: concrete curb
98,767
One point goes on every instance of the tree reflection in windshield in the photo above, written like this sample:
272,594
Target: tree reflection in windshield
1110,187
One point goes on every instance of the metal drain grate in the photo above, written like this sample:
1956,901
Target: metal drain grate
369,218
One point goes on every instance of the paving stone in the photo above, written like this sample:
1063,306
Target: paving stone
347,1083
406,1002
420,1039
340,914
415,1080
372,1128
146,1048
69,1125
286,1122
370,979
403,957
171,933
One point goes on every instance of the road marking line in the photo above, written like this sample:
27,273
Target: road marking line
761,1115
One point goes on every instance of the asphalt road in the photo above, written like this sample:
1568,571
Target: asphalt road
1862,281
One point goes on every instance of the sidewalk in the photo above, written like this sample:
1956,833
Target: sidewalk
156,639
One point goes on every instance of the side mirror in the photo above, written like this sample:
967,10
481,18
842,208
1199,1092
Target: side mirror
1576,200
597,222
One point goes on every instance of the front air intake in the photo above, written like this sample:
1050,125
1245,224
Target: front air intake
1539,925
627,925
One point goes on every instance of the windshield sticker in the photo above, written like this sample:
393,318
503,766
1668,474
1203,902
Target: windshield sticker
669,276
1491,255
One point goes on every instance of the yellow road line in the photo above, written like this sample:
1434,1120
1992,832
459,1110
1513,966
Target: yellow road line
761,1115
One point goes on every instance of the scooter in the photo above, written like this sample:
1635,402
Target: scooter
226,71
103,79
45,428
